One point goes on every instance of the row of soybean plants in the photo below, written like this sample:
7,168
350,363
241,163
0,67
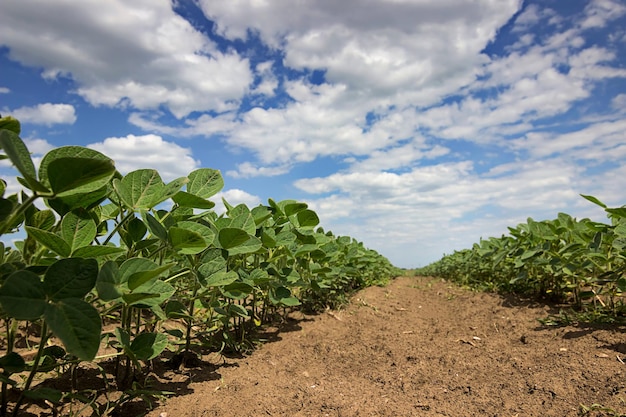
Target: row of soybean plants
104,254
565,259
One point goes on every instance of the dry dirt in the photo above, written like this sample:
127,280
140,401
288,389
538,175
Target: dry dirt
418,347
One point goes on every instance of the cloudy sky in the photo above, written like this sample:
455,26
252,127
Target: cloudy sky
415,126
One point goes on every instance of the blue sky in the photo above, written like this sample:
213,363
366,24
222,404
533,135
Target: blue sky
417,127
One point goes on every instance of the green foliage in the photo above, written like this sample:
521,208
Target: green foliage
219,276
564,259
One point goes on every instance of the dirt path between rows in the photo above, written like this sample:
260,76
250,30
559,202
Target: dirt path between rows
418,347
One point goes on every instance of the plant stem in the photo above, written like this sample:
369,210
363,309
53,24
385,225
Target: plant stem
4,226
33,371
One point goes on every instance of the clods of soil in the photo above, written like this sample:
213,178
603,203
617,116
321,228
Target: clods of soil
418,347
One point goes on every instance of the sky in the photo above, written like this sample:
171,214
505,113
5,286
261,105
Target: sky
415,126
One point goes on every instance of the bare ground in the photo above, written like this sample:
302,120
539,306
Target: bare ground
418,347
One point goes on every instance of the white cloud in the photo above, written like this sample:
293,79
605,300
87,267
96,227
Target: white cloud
599,12
247,170
139,54
4,90
149,151
444,207
45,114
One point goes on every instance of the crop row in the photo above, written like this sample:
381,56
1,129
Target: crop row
106,254
565,259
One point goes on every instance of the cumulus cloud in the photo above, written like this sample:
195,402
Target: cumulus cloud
247,170
148,151
45,114
4,90
139,54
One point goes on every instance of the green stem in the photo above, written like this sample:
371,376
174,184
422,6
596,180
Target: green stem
117,227
33,371
4,226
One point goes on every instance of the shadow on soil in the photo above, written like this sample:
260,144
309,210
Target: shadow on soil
169,374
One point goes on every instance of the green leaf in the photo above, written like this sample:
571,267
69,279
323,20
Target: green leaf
87,200
123,337
70,278
293,208
205,231
162,291
139,297
68,152
10,123
109,282
43,220
156,228
77,324
205,182
70,176
136,229
144,189
50,241
593,200
185,199
78,229
619,212
221,279
307,218
251,245
186,241
19,155
229,237
96,251
12,363
140,278
237,290
6,208
147,346
237,310
22,296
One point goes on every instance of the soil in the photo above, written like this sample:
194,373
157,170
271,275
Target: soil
418,347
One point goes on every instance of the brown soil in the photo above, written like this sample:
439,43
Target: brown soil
418,347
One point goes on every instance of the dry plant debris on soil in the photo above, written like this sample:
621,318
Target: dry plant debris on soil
418,347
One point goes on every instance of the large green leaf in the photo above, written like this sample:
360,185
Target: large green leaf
71,176
50,240
22,296
205,182
12,363
144,189
138,271
78,229
307,218
147,346
221,279
70,278
66,203
109,282
229,237
161,290
186,241
185,199
251,245
77,324
10,123
237,290
293,208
